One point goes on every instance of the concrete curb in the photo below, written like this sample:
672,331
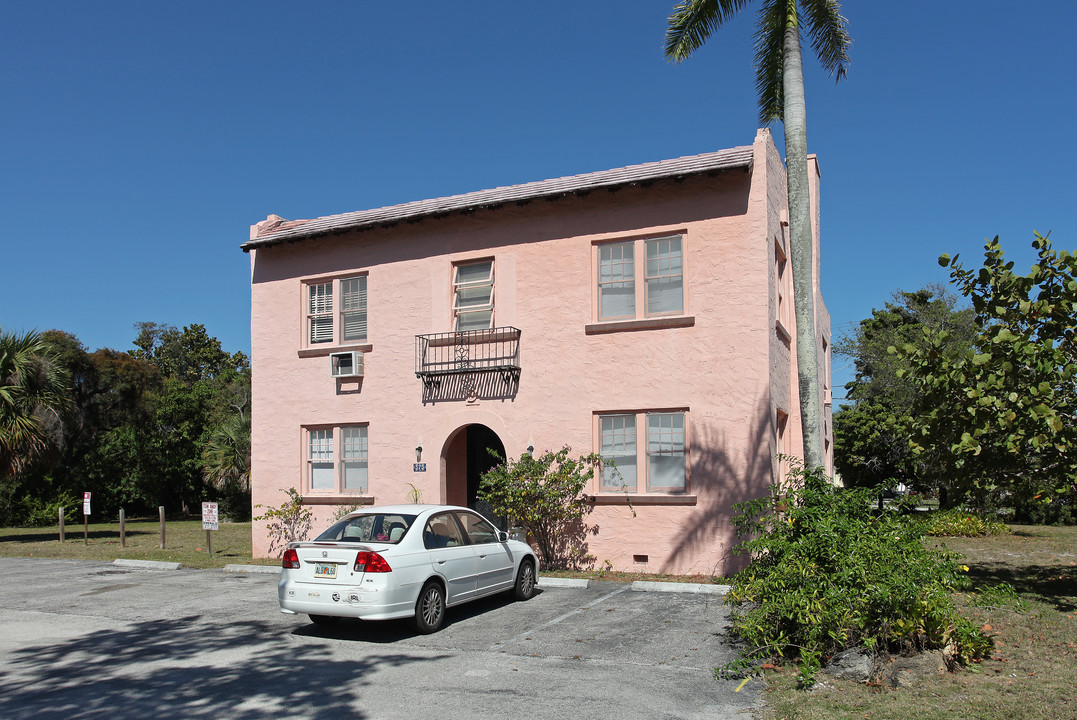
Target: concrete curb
558,582
265,569
148,564
673,587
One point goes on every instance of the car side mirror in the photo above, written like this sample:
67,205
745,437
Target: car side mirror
502,536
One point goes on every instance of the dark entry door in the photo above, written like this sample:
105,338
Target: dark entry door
480,440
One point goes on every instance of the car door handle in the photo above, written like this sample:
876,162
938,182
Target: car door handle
441,562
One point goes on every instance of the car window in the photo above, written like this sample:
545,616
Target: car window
477,529
374,527
442,531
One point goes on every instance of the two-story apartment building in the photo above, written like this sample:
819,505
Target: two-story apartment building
644,313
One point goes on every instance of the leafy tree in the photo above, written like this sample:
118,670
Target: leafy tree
780,84
190,356
1002,413
871,444
544,495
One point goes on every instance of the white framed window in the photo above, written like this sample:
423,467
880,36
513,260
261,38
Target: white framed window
335,311
337,459
643,449
473,295
618,450
628,290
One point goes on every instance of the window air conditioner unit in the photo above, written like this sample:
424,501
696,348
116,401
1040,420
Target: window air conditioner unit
346,364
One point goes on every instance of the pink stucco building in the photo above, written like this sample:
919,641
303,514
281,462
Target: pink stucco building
644,313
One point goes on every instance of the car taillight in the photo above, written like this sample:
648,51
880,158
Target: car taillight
372,562
290,559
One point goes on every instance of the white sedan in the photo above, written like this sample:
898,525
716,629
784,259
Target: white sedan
402,561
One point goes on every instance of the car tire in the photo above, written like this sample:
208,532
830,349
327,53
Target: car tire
324,620
430,608
525,581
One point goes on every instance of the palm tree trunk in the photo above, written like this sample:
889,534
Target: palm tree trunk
800,233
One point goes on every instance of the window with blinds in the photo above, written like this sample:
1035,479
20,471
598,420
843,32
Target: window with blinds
353,309
336,311
320,313
337,459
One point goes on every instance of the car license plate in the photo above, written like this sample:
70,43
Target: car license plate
325,570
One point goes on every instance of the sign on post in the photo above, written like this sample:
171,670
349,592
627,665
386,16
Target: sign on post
209,523
85,518
209,516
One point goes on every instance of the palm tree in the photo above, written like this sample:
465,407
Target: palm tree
780,84
226,461
33,396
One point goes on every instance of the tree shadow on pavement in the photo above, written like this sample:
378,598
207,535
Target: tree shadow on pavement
186,668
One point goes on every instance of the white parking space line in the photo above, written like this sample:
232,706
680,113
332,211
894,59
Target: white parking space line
570,613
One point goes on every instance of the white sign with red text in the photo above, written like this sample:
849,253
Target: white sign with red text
209,516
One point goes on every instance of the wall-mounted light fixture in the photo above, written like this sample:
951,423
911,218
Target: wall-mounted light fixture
419,450
530,445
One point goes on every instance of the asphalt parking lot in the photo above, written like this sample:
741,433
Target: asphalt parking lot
89,640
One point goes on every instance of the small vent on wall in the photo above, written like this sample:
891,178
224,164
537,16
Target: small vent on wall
642,559
346,364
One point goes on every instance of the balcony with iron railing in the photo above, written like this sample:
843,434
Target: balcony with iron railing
468,364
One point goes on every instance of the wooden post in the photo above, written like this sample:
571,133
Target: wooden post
209,547
85,529
61,524
123,534
161,512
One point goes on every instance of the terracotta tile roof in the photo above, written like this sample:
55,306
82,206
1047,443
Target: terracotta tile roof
290,231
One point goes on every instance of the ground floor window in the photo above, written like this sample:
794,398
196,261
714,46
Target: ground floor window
337,459
643,451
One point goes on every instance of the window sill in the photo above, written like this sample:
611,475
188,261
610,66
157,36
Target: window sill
338,499
324,350
783,331
622,499
655,323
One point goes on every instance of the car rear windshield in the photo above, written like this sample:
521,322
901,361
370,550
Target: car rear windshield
375,527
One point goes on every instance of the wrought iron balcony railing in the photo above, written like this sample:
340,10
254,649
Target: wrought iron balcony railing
496,350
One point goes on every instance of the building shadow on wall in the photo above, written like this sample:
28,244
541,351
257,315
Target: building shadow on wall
724,475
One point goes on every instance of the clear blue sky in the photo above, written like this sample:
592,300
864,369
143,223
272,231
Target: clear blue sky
140,140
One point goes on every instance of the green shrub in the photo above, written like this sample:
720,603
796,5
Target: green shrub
960,523
544,495
827,574
36,512
288,523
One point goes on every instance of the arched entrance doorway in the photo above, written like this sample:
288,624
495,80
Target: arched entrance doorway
466,457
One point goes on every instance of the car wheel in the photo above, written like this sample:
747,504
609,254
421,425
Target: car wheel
324,620
430,608
525,581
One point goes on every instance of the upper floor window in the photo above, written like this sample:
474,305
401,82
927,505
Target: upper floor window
783,288
337,459
473,295
656,285
643,447
336,311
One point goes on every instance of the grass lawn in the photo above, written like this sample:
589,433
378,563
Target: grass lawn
185,542
1032,674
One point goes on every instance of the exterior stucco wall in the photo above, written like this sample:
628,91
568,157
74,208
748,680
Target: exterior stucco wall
723,366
